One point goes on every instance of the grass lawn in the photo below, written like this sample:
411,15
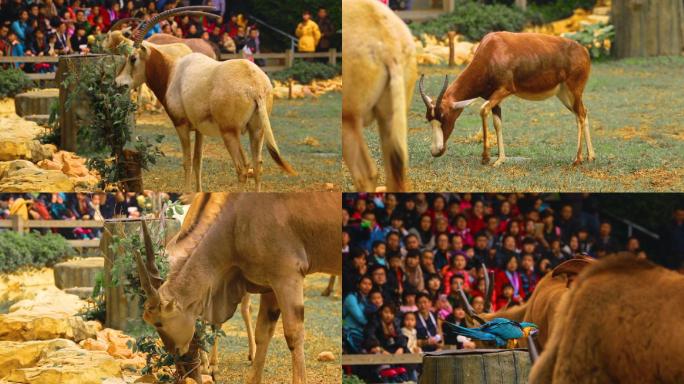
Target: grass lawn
636,119
323,325
307,132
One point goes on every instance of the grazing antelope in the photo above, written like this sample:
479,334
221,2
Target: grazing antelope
528,65
379,75
231,244
209,97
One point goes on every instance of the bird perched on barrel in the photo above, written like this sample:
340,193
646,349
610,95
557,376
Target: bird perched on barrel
502,331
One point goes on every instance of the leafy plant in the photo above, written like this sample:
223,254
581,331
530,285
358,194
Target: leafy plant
597,38
53,135
13,81
31,249
108,130
305,72
352,379
474,20
549,11
96,308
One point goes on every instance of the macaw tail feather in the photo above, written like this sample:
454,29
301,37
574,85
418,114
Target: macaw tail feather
452,330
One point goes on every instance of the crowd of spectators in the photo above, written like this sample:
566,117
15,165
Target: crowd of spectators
59,27
75,206
404,257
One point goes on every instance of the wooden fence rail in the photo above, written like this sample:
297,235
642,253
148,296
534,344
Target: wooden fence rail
18,224
285,60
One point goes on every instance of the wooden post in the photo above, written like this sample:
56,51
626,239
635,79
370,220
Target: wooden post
289,58
17,223
522,4
333,56
122,310
648,27
452,54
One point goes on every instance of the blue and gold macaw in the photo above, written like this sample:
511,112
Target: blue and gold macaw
503,332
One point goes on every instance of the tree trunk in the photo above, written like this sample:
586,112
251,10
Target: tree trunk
522,4
648,27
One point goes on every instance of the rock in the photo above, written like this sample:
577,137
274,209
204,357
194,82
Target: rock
326,356
24,326
206,379
78,272
117,343
83,293
50,300
70,365
24,176
17,138
25,285
146,379
14,355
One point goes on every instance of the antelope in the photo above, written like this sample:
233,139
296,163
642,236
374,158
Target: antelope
231,244
528,65
611,327
211,98
379,72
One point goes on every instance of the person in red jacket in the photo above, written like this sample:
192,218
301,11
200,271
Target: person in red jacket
510,276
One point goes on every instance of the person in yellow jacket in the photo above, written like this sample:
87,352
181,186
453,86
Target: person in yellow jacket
308,33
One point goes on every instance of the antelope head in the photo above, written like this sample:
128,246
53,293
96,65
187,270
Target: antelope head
174,325
441,115
119,35
132,73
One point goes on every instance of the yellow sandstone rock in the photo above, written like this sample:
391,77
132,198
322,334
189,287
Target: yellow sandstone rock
14,355
326,356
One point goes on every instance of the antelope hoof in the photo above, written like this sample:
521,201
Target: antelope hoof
485,160
326,292
591,158
250,172
499,161
578,161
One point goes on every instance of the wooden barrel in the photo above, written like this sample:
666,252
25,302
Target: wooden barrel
71,119
490,366
120,311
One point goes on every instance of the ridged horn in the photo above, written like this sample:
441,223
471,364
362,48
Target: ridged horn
468,308
438,104
151,293
196,10
426,98
489,287
150,265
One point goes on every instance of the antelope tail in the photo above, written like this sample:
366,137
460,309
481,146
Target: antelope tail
271,144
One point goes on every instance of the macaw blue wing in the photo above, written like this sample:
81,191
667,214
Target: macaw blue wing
473,333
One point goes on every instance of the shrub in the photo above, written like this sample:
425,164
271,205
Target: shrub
558,9
30,250
597,38
305,72
474,21
13,81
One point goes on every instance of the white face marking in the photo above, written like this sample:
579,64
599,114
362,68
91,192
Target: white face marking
133,72
437,147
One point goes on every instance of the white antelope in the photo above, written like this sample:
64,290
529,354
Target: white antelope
528,65
379,75
208,97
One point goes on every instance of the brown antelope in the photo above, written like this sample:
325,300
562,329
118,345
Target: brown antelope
231,244
379,75
195,94
621,322
528,65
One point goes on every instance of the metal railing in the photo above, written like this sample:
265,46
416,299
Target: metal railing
293,40
632,226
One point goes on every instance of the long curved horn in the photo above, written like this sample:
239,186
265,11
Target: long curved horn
532,346
468,308
150,265
145,27
426,98
120,22
150,291
441,95
488,289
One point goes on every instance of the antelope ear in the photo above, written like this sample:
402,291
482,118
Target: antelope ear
144,52
462,104
168,306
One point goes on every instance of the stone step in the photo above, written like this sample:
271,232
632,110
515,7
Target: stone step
82,292
78,272
36,102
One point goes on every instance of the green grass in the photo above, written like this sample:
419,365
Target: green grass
635,115
323,325
292,120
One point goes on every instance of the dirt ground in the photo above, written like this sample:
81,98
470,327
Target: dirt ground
323,325
307,132
635,127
